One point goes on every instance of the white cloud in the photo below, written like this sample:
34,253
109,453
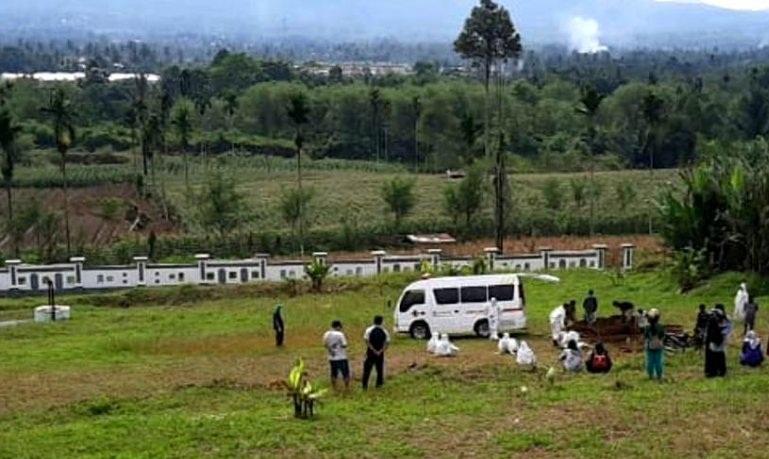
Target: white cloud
751,5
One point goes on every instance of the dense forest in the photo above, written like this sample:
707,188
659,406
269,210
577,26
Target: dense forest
652,110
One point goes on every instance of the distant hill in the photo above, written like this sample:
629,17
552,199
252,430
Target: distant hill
620,21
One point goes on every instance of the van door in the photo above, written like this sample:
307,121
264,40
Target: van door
474,301
445,316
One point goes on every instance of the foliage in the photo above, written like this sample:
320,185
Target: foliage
552,193
400,198
317,272
303,393
296,204
465,200
722,212
221,207
689,267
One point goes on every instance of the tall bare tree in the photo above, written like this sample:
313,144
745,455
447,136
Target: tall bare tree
60,111
487,38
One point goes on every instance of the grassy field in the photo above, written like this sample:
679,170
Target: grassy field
344,194
188,372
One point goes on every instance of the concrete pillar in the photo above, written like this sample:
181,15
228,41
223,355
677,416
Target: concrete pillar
600,250
491,257
202,259
545,254
628,256
141,271
378,258
262,259
13,271
435,257
320,258
78,266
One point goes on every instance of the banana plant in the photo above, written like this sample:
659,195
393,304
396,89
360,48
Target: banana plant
302,392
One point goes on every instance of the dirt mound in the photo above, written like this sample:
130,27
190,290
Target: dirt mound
614,329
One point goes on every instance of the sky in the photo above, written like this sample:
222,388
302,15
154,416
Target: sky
754,5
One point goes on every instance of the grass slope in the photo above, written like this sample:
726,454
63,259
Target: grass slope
181,377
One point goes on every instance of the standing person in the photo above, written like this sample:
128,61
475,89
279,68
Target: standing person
493,318
377,339
590,305
701,326
278,325
557,322
715,344
751,309
654,344
740,300
336,347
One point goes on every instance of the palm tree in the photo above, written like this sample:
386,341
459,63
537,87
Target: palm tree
589,104
9,131
60,111
653,109
298,111
182,123
152,137
139,111
231,107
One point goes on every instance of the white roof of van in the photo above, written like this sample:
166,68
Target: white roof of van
465,281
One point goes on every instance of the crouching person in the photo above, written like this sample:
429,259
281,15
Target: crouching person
572,357
599,360
752,355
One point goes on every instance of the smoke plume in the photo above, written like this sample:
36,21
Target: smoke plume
584,35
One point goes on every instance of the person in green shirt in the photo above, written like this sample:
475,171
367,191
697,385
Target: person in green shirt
654,344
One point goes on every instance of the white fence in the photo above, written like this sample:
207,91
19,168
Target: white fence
17,277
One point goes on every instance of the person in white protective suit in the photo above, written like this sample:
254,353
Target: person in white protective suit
740,300
558,322
565,337
432,343
571,357
507,345
525,356
445,347
492,314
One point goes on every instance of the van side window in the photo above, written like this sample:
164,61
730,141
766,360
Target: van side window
446,295
502,292
474,294
412,298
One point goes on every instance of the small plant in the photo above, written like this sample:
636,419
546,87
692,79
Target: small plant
689,267
626,193
302,392
578,191
317,272
479,266
551,192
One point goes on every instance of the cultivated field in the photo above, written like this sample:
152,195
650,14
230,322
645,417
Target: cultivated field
192,372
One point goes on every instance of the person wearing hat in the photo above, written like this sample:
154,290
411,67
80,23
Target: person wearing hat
654,344
278,325
715,344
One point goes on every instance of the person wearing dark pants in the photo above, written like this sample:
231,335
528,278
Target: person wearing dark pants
278,325
751,309
377,339
590,305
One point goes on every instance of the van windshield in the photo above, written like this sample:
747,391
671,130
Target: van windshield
411,298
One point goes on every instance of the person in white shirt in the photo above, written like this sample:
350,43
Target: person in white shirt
377,339
336,347
525,356
432,344
572,357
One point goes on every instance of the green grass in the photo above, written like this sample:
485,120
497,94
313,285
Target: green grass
183,377
355,193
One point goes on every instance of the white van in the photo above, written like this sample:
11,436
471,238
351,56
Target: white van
460,305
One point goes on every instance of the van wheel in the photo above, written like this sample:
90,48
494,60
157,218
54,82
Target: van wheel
420,331
482,328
